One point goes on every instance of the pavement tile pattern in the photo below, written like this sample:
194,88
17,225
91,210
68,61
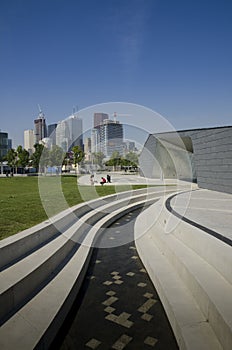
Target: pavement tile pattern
118,306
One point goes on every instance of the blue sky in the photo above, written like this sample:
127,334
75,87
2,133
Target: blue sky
172,56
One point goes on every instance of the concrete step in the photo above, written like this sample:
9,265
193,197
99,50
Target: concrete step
191,329
216,252
212,292
23,279
35,325
16,247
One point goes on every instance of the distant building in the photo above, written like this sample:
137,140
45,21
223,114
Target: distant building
95,141
75,131
52,133
9,144
69,133
3,144
46,142
29,140
129,146
111,137
62,135
87,148
98,119
40,128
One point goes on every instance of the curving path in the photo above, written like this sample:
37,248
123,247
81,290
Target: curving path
117,307
43,267
211,211
187,253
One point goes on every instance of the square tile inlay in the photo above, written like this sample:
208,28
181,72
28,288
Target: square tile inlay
150,341
93,343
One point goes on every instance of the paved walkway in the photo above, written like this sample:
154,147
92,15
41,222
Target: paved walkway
118,307
210,209
120,178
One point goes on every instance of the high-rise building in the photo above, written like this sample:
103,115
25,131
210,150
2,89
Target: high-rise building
3,144
29,140
111,137
40,128
98,119
62,135
95,141
52,133
9,144
69,133
87,148
75,128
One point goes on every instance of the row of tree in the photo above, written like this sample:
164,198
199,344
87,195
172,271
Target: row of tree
129,161
43,157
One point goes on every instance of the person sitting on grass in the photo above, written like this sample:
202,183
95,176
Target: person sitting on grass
103,181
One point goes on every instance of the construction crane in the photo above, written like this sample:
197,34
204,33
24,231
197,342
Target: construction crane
41,114
119,114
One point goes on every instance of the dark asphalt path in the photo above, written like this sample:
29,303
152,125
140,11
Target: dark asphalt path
118,306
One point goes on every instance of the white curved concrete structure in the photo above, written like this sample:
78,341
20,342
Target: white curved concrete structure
40,284
191,270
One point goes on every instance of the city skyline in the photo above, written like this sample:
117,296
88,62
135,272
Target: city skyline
172,57
69,132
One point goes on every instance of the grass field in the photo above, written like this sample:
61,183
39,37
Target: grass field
21,206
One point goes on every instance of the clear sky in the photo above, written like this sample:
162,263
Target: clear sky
173,56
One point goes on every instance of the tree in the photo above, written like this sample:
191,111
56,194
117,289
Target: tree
132,157
37,155
11,158
115,155
56,156
78,155
23,157
115,160
98,158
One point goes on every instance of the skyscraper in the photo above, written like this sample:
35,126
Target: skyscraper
9,144
98,119
111,137
52,133
62,135
3,144
87,148
95,141
29,140
75,127
40,128
69,133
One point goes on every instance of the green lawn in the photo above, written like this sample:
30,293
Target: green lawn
21,206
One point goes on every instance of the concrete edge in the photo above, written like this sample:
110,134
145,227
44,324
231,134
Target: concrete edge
191,329
35,319
144,245
13,247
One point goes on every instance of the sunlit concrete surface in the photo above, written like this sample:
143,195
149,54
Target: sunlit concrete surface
209,208
187,252
120,178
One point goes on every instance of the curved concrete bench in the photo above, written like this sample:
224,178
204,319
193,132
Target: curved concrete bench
23,279
38,290
18,246
192,273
